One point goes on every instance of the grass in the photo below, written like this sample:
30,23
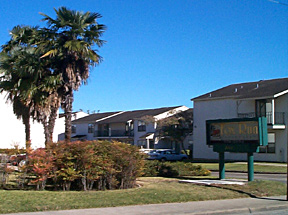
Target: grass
152,191
242,167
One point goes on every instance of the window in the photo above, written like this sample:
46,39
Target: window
141,142
73,129
141,126
90,128
103,130
270,148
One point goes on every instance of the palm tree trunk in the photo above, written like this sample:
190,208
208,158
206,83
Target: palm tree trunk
51,123
26,122
46,131
68,115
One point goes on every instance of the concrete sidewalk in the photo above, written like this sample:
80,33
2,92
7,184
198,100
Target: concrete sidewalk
218,207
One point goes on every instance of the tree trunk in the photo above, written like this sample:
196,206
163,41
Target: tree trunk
26,122
51,123
68,115
46,131
84,181
182,146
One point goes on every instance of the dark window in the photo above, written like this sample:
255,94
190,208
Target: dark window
73,129
90,128
141,126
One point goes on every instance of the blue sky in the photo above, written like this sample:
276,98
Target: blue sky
165,52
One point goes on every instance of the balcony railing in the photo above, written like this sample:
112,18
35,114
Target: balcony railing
113,133
276,118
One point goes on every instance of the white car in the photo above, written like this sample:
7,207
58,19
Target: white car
166,155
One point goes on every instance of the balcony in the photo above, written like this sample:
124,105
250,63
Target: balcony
276,118
113,133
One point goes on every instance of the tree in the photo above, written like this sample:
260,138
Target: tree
30,83
176,127
14,81
69,44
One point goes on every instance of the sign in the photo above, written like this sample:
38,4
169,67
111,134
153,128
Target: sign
237,135
234,131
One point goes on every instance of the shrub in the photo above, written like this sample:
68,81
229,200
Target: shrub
167,170
40,166
86,165
151,168
173,169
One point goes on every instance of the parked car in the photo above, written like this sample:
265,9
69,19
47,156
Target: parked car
145,151
166,155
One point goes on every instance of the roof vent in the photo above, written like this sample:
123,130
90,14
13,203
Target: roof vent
235,90
210,95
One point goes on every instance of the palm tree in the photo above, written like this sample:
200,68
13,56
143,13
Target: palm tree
11,83
69,43
30,83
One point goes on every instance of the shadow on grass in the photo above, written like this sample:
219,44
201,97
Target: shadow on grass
244,192
234,189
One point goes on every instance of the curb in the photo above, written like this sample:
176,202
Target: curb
242,210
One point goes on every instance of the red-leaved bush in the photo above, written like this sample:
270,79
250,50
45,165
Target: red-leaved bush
86,165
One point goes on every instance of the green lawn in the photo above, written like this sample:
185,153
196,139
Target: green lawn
258,167
152,190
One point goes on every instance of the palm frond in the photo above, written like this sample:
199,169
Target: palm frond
52,53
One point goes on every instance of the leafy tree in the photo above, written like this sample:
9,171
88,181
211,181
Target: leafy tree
70,41
176,127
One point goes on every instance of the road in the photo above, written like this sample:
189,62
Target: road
275,212
260,176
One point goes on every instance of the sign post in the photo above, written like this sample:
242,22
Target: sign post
239,136
250,166
221,165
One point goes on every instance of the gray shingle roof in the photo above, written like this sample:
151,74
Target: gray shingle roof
259,89
93,117
136,114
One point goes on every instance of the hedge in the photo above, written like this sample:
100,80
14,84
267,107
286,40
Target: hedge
173,169
83,165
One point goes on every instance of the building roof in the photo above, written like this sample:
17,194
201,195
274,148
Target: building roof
260,89
94,117
136,114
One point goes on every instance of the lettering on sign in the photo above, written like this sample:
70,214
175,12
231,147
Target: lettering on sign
232,131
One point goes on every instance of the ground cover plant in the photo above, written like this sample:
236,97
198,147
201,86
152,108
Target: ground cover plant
152,190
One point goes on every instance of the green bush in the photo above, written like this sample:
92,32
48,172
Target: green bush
167,170
151,168
173,169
